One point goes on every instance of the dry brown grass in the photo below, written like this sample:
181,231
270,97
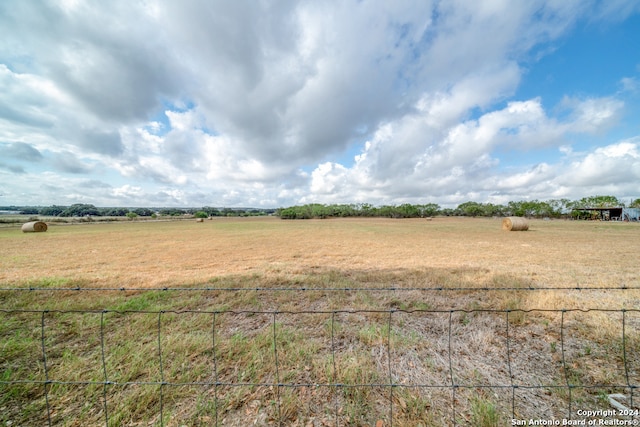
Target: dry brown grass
552,253
335,253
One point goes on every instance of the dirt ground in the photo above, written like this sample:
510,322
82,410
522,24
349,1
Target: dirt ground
150,254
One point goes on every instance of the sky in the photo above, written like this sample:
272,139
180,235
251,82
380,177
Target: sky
255,103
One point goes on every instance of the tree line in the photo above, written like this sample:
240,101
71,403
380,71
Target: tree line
556,208
84,210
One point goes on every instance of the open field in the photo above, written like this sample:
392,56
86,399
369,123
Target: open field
421,340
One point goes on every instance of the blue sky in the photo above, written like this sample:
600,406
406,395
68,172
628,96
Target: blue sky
267,104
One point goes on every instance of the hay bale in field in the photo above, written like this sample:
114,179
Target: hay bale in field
34,227
515,223
199,220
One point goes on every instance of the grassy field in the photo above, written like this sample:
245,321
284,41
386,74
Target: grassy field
420,340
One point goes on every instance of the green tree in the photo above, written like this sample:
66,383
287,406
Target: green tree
599,202
407,210
315,210
115,212
172,211
559,206
80,209
516,208
470,209
211,211
489,209
27,210
430,209
365,209
143,211
387,211
52,210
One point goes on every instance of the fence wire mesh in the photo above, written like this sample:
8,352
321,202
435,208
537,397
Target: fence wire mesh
337,366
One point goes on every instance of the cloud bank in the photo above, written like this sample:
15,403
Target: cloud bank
162,103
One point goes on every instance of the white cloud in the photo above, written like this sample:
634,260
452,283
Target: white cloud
127,192
611,165
466,158
217,102
629,84
592,115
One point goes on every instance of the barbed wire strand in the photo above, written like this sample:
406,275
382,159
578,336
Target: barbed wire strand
314,289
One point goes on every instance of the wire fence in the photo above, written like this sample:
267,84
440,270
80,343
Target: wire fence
302,288
514,361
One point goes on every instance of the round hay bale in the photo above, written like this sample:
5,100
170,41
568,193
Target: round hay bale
34,227
515,223
199,220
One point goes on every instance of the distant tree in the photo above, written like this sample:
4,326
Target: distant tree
80,209
51,210
115,212
28,210
387,211
294,212
364,209
228,212
211,211
489,209
201,214
143,211
341,210
407,210
430,209
559,207
599,202
172,211
516,208
635,204
448,212
132,215
470,209
286,213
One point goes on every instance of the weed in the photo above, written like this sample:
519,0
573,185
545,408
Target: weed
465,319
484,413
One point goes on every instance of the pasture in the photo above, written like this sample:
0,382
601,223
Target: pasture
316,322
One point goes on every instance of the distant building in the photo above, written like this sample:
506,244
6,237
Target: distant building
607,214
